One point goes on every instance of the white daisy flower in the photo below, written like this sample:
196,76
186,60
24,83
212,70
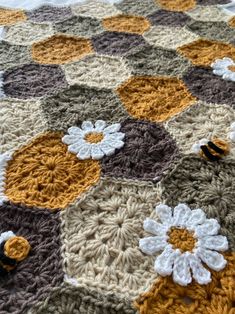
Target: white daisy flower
94,140
232,133
224,67
187,238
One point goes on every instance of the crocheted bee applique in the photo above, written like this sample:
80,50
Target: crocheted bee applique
213,149
13,249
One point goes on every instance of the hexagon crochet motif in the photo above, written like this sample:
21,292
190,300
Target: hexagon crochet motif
117,157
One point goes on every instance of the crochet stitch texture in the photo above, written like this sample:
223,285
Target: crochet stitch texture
117,157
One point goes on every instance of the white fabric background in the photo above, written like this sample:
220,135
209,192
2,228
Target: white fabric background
229,8
32,4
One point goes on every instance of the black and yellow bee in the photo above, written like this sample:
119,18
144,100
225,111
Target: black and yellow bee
13,249
213,149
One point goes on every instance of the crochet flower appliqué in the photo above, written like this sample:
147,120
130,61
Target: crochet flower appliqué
187,238
224,67
94,140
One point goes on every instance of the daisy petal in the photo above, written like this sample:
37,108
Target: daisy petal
112,128
200,273
114,136
100,125
96,152
218,243
197,217
74,148
4,158
228,76
212,259
164,262
116,144
228,61
164,212
3,198
181,270
73,130
108,150
84,152
152,245
231,76
222,63
69,139
209,227
154,227
87,126
219,72
181,214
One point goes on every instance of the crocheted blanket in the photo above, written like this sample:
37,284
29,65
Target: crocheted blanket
117,157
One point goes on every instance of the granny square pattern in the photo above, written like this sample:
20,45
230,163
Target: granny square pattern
117,157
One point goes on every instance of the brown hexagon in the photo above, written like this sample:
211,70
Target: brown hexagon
177,5
35,277
154,98
60,49
204,52
126,23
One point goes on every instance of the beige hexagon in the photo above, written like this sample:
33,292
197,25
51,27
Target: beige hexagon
90,8
20,121
201,120
26,33
98,71
100,236
169,37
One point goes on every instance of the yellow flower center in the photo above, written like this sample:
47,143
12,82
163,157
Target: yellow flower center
17,248
181,239
231,68
94,137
